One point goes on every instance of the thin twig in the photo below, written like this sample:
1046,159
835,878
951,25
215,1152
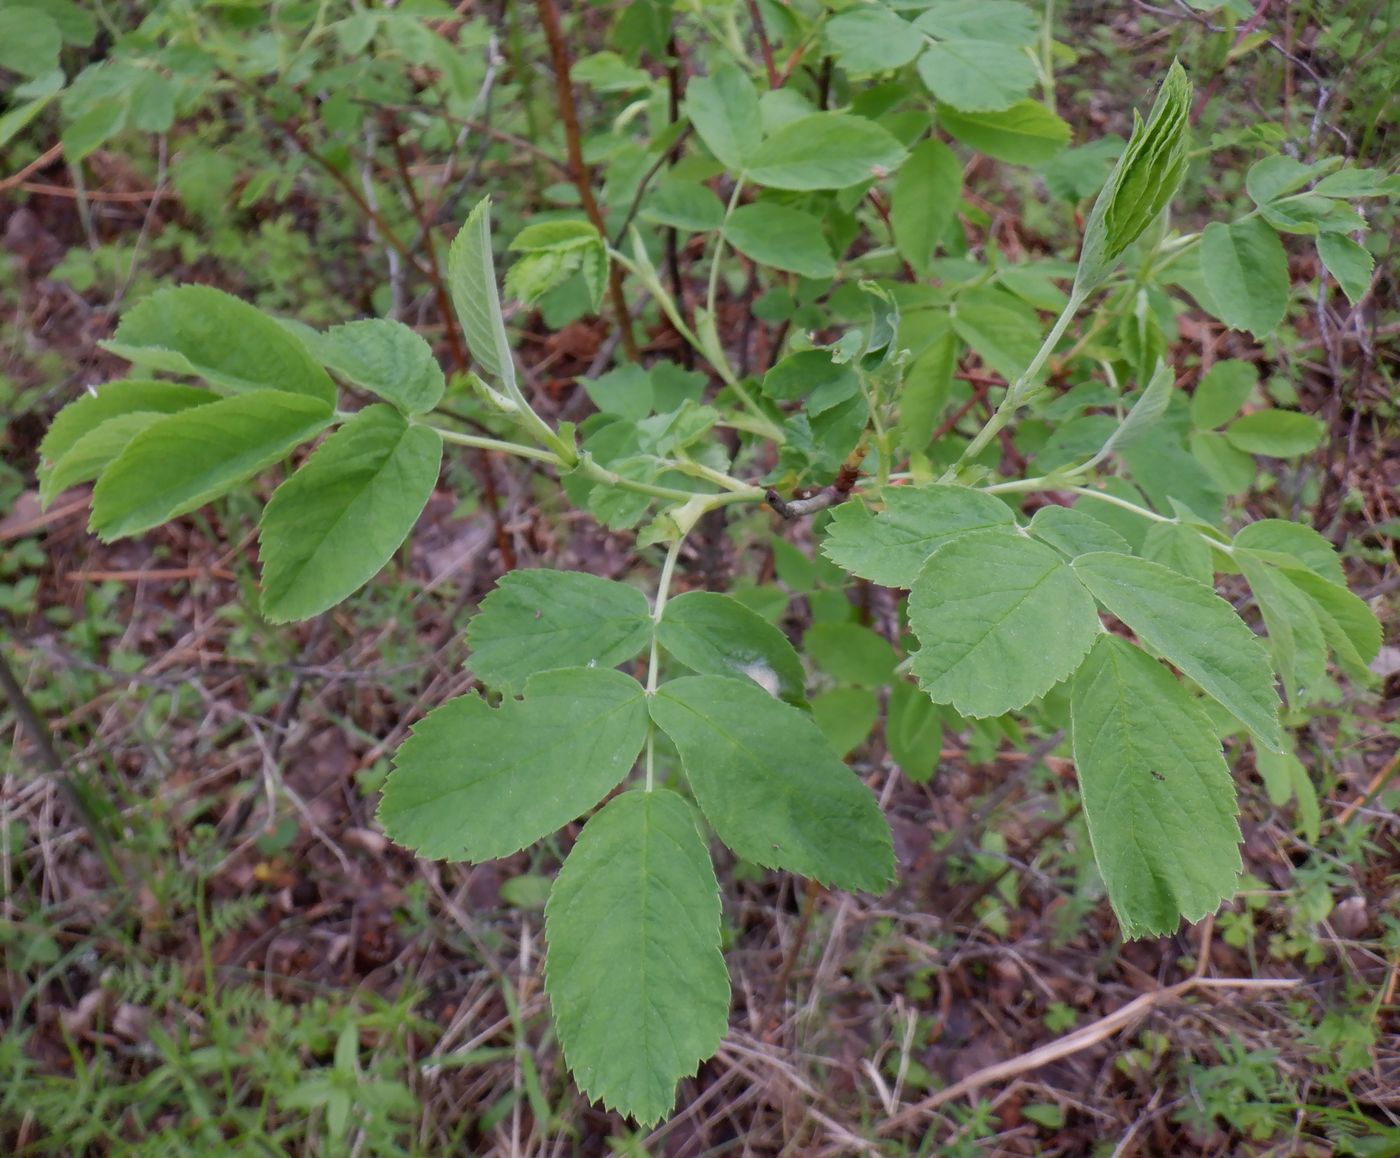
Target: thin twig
1081,1039
568,113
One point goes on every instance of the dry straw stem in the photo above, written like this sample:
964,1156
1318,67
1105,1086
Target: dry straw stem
1080,1039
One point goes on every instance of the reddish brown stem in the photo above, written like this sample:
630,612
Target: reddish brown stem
568,114
460,358
774,80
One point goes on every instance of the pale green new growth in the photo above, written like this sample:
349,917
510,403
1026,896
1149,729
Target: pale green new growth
1145,179
471,274
634,971
540,619
1158,797
330,528
1001,619
770,785
474,783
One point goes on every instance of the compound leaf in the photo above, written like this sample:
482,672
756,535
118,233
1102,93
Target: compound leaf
1000,619
332,526
1158,797
889,547
474,782
198,330
770,785
634,970
541,619
714,634
186,459
1189,625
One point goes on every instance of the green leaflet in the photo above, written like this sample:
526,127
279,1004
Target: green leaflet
1295,633
783,238
926,195
871,39
715,634
1000,619
1349,262
634,970
29,41
540,619
195,329
1026,133
1182,549
186,459
825,151
1244,272
926,391
89,433
1075,532
1277,433
978,60
89,456
1144,180
1221,392
1189,625
92,409
1147,411
1350,627
723,107
976,75
851,653
913,732
890,547
475,783
1158,797
471,276
846,717
770,786
1302,545
386,358
331,527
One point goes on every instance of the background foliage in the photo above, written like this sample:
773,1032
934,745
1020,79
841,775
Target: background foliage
209,943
